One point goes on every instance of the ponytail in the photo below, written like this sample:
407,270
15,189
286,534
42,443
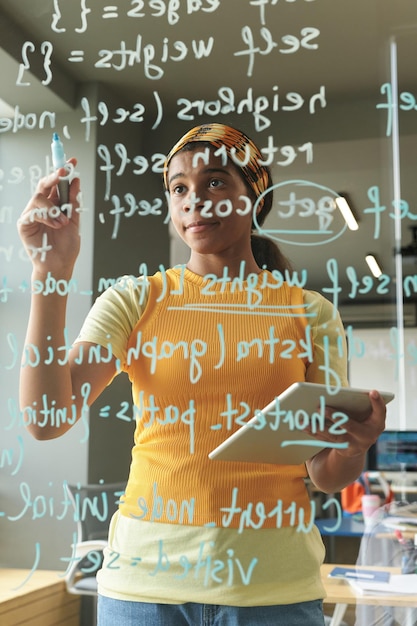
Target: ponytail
268,255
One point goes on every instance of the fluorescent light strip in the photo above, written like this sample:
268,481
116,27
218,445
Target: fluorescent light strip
346,211
373,265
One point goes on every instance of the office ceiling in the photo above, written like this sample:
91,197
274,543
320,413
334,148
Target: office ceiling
349,55
130,47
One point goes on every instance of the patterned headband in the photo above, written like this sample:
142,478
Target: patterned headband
240,149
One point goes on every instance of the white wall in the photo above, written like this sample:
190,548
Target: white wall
32,472
378,360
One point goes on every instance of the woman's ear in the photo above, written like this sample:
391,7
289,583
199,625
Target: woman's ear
259,208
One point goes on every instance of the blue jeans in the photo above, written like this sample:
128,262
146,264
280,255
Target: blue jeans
124,613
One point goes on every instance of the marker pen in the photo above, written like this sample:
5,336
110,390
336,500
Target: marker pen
58,161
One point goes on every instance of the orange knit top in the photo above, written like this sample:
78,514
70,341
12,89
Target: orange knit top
203,357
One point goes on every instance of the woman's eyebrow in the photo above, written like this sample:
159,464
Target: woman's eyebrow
217,170
207,170
175,176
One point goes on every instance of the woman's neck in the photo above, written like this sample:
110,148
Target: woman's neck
205,264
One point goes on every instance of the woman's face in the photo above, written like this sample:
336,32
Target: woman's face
210,205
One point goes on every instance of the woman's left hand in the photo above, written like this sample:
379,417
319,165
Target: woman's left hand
360,431
336,466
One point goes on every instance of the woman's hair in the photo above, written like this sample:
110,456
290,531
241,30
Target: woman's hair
268,255
246,156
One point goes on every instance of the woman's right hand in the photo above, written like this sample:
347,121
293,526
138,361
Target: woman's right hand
51,238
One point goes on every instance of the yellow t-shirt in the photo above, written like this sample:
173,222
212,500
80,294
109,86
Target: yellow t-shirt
172,562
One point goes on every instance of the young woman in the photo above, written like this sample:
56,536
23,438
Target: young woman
197,541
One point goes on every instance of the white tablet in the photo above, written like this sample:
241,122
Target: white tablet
275,434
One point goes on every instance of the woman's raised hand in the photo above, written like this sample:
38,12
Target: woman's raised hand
50,235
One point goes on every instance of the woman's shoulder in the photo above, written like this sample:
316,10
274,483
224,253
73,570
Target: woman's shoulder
316,298
320,307
126,298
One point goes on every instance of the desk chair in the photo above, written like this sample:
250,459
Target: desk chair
94,506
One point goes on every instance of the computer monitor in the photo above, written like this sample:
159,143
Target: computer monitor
394,450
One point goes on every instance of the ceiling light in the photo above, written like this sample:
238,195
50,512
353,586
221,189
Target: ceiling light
373,265
343,206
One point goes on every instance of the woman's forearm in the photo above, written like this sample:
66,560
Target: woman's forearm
331,472
45,378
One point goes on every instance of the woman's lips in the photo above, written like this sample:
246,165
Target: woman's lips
196,227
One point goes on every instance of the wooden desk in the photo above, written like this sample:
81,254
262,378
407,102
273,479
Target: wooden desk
41,601
341,594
